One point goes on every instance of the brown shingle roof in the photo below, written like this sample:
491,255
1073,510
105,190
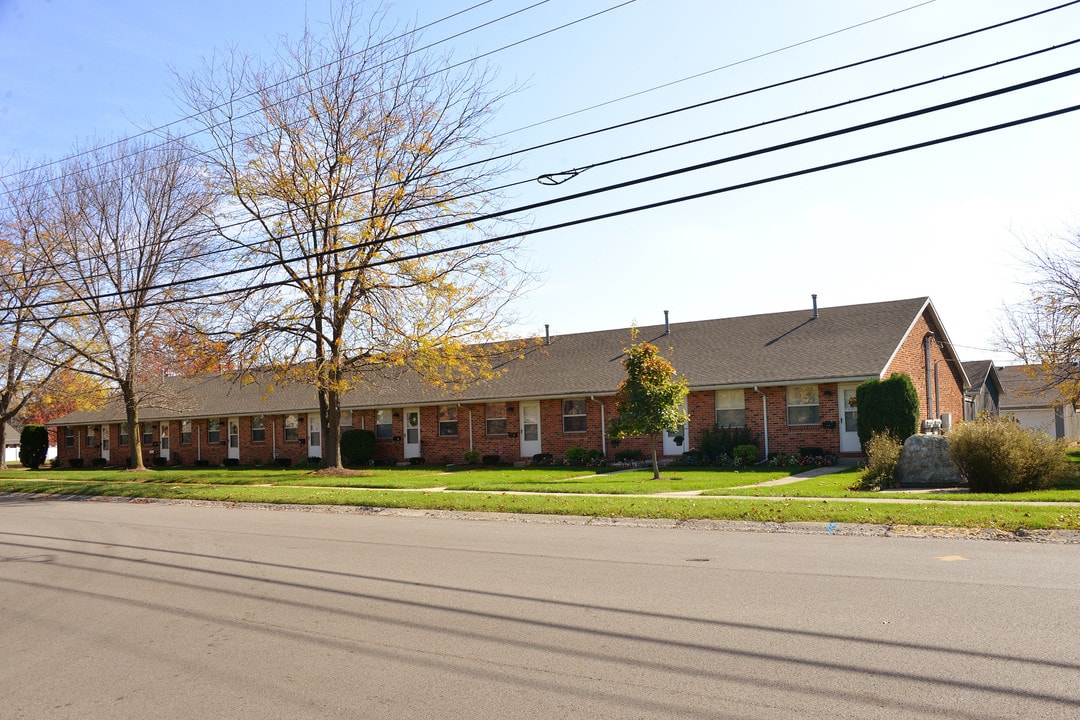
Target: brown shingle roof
1026,386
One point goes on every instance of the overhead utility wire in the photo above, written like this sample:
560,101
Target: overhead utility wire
728,66
560,177
587,193
715,100
448,68
625,211
158,129
301,258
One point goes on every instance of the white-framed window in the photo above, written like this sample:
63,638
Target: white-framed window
147,433
258,428
346,420
802,405
185,432
730,408
164,435
213,430
292,429
447,420
91,436
122,439
573,415
384,424
495,414
69,436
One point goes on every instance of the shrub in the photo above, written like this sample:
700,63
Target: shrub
888,406
490,459
416,461
996,455
543,459
472,457
882,456
230,462
177,460
202,462
629,455
576,455
716,442
357,446
33,446
744,454
75,462
159,461
98,462
283,461
811,452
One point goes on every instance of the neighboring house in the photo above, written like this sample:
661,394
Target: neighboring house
11,443
789,378
1029,397
984,393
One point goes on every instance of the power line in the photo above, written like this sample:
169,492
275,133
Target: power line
609,188
554,178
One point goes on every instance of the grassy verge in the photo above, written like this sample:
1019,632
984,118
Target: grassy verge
299,487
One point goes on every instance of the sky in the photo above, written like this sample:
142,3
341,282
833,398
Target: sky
948,221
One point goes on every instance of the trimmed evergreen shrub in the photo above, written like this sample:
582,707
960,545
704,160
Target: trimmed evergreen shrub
33,446
996,455
745,454
75,462
717,442
283,461
576,455
811,452
230,462
888,406
543,459
490,459
159,461
357,446
472,457
98,462
202,463
629,455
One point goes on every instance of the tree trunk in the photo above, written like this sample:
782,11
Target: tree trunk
3,444
655,464
134,427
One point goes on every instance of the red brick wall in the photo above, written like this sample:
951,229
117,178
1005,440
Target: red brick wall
911,359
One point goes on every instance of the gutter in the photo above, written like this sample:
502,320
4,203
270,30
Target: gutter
765,418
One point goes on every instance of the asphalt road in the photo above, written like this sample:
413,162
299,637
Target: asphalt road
145,610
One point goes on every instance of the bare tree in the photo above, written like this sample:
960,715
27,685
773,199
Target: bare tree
1044,330
29,359
341,154
133,220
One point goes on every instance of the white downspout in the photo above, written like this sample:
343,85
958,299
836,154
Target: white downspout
273,439
765,419
198,441
603,426
470,427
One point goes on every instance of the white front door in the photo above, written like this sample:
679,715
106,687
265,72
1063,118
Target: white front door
530,429
849,420
412,432
105,443
234,438
314,436
164,446
676,441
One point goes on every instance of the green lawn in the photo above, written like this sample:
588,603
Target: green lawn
581,492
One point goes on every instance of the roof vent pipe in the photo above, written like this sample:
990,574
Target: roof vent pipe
667,325
547,334
814,297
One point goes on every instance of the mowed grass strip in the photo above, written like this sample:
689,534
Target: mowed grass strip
780,510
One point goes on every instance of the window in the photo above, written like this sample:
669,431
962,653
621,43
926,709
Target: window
292,429
573,415
258,428
147,434
730,408
447,420
346,421
802,405
123,439
384,424
213,430
164,434
91,437
496,418
314,426
69,436
185,432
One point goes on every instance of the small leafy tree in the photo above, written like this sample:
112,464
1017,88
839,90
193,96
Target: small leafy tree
888,406
650,399
357,446
33,446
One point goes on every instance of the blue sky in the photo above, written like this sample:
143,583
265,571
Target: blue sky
943,221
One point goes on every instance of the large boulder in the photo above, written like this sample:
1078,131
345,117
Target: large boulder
925,462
